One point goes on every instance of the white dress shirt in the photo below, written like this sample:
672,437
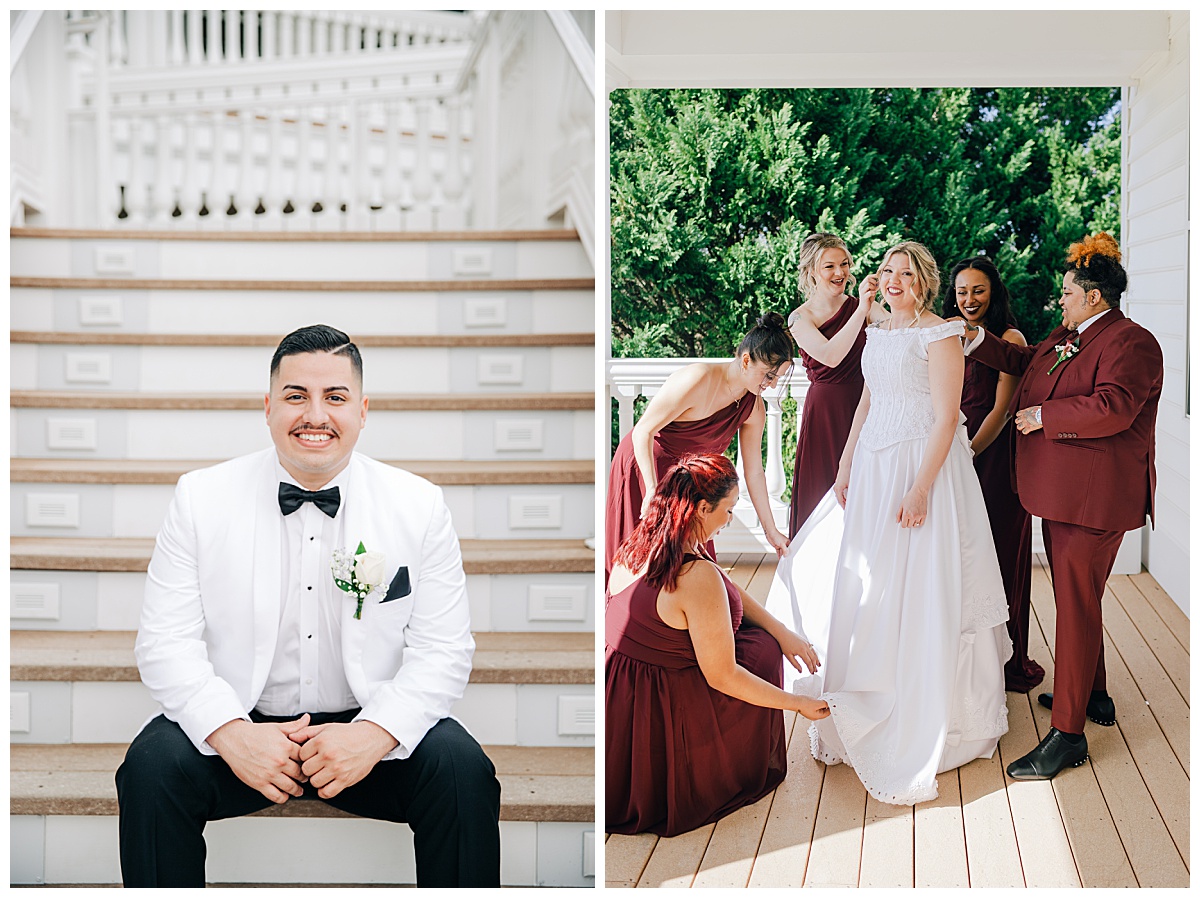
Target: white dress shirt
307,672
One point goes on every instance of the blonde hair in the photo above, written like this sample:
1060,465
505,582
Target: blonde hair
810,255
924,266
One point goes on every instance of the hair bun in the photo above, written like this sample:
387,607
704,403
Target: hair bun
1103,244
772,320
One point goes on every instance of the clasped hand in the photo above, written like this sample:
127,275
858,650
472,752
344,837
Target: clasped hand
276,759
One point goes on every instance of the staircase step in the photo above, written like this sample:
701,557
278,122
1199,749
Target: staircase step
159,471
566,234
538,783
254,401
492,556
390,341
107,656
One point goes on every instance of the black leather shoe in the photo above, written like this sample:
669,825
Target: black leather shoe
1053,754
1099,710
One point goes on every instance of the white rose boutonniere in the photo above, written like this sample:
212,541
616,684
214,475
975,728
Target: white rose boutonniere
1066,351
360,575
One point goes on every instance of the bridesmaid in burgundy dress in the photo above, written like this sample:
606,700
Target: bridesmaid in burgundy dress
699,409
978,295
830,330
693,722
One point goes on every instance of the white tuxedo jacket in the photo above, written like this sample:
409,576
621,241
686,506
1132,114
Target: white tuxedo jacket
210,618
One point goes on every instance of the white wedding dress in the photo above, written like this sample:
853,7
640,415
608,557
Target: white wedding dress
909,623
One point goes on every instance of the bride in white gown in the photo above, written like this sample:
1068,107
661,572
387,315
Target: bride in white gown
900,593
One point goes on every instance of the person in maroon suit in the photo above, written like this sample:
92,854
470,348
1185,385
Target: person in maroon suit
693,709
699,409
978,295
1084,463
829,329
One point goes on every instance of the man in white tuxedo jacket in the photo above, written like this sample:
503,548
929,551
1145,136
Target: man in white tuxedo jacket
274,682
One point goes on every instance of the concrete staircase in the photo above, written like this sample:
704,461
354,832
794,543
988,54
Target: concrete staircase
137,357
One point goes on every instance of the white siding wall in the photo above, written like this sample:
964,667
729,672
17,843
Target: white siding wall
1156,244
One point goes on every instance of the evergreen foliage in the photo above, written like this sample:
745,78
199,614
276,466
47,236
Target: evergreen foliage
713,191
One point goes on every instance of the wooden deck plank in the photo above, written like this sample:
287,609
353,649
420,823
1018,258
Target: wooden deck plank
838,835
729,857
787,837
625,858
992,857
1148,844
1099,854
1172,615
1174,659
1164,700
1160,770
1045,850
887,851
939,844
674,862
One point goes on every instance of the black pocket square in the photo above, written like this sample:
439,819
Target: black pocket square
400,586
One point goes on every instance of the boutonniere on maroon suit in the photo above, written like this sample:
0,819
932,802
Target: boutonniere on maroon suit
1066,351
360,574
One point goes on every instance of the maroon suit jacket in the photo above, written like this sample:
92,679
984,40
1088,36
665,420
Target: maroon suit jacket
1092,463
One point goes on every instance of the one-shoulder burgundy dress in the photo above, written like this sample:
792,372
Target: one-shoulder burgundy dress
1011,526
623,509
678,754
825,420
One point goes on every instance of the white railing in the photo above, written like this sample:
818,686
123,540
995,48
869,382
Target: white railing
358,129
216,37
627,379
532,76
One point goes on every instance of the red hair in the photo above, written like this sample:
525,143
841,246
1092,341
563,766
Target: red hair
663,536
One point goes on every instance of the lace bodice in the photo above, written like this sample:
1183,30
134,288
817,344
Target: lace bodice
895,366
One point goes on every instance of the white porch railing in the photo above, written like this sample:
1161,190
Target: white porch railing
627,379
284,120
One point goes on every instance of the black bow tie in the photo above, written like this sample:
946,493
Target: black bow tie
292,497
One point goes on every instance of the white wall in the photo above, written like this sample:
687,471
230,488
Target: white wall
1155,234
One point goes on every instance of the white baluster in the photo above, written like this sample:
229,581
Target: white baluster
452,216
776,478
213,22
230,19
287,35
304,34
625,403
154,34
273,192
321,24
335,190
421,217
244,198
391,216
270,34
118,48
302,190
163,193
360,173
250,28
195,36
177,52
342,31
136,187
188,197
218,193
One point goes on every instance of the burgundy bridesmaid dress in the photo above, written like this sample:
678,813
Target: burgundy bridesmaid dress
825,420
677,753
623,509
1011,526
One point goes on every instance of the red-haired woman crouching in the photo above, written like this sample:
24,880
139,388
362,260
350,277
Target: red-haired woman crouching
692,668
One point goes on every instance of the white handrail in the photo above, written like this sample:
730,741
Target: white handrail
576,45
22,31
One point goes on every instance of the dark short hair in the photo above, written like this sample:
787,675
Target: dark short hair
999,316
1096,263
317,338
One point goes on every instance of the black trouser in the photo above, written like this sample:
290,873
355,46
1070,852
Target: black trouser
446,791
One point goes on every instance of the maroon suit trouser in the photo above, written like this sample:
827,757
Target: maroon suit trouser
1080,561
